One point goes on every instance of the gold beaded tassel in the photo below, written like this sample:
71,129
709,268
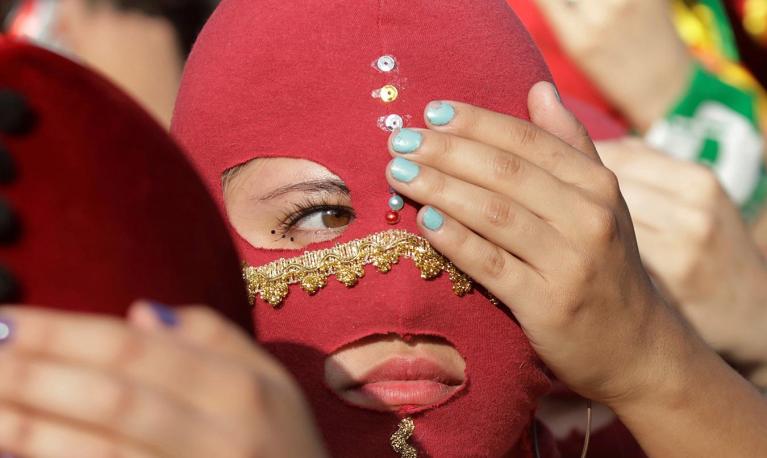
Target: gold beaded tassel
400,437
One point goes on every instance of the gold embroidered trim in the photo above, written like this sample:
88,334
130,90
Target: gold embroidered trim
401,436
347,261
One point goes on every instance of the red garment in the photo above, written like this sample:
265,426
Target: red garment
269,79
106,206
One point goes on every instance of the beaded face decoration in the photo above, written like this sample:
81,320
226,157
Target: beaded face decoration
388,94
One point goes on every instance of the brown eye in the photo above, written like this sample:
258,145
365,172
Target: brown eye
334,219
329,218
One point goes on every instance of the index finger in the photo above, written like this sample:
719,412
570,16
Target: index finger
523,138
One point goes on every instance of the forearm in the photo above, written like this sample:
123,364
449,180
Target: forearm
698,405
644,100
650,85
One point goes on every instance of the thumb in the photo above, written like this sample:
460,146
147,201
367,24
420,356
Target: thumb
548,113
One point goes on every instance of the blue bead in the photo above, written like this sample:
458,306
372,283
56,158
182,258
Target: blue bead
396,203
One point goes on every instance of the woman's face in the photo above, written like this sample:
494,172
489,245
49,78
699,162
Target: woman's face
282,203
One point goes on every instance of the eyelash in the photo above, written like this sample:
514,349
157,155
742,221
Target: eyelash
305,208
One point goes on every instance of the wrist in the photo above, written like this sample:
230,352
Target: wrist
652,97
666,365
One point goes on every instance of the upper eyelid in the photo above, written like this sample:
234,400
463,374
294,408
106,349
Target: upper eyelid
309,187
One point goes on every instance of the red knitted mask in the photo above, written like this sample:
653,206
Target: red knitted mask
270,78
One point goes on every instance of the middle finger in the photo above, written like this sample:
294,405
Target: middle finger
495,217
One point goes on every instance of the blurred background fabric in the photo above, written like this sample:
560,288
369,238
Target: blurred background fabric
141,45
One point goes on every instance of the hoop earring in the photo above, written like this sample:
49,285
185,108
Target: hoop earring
586,440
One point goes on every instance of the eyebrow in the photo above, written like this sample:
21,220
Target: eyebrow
311,186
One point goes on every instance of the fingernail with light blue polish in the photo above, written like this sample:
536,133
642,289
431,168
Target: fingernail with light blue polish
440,113
165,314
403,170
6,330
432,219
406,141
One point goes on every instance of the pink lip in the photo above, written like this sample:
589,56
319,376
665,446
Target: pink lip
399,383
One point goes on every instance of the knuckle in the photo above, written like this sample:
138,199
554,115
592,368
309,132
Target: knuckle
682,271
705,228
112,400
602,224
436,185
497,212
525,133
551,158
252,391
705,183
607,184
446,147
504,167
210,327
493,263
127,348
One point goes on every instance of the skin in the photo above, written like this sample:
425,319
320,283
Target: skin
547,231
104,387
699,251
254,210
137,52
629,48
698,248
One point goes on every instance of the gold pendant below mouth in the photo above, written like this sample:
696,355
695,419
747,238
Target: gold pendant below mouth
401,436
347,263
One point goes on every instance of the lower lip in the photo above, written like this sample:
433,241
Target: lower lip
395,395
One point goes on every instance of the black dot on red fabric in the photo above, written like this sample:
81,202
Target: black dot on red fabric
7,166
16,117
9,224
9,289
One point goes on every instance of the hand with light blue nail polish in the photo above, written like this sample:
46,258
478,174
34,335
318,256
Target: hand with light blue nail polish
536,218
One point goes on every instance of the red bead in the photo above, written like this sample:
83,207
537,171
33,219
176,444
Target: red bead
392,217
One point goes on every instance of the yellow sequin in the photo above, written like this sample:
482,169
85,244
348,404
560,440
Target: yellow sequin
401,436
347,263
388,93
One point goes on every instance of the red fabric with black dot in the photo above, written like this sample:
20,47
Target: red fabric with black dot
268,78
110,209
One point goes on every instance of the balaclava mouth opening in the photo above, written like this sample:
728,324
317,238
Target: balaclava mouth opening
325,80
